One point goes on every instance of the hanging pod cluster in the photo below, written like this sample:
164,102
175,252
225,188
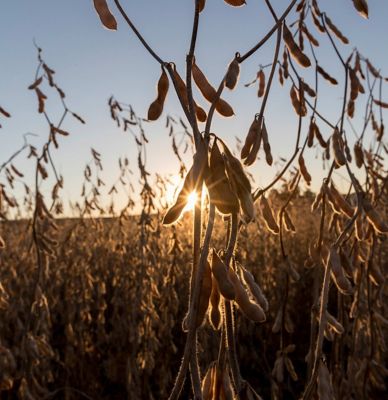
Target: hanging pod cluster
257,134
228,186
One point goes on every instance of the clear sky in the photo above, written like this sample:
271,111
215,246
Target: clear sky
93,63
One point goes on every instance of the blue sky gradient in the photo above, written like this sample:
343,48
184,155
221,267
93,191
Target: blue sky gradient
93,63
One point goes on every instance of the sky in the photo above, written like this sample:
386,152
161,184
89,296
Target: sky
92,63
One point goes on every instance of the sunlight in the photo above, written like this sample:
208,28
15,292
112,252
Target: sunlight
192,199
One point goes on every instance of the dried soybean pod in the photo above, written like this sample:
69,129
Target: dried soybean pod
378,223
380,103
261,77
251,310
253,134
325,387
235,3
106,17
310,36
309,90
156,108
350,108
358,154
328,77
319,136
209,93
220,191
175,211
255,289
288,222
372,69
204,295
294,49
334,261
337,145
303,170
344,206
215,314
220,273
290,368
336,31
232,74
269,219
332,321
226,386
208,383
182,91
317,23
240,184
362,7
266,145
201,5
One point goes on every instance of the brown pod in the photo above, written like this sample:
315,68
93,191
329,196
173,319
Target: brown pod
201,5
318,135
343,205
317,23
261,77
220,191
255,289
250,309
215,313
362,7
303,170
253,134
378,223
267,214
309,36
380,103
337,145
182,91
350,108
209,93
232,74
298,104
328,77
342,282
309,90
266,145
372,69
235,3
294,49
204,298
106,17
208,382
220,273
336,31
175,211
358,154
288,222
240,184
156,108
334,324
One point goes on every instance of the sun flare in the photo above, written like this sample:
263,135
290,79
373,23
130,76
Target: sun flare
191,200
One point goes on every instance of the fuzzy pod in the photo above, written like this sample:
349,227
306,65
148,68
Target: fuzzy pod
250,309
106,17
268,216
215,317
217,182
156,108
255,289
209,93
294,49
220,273
232,74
